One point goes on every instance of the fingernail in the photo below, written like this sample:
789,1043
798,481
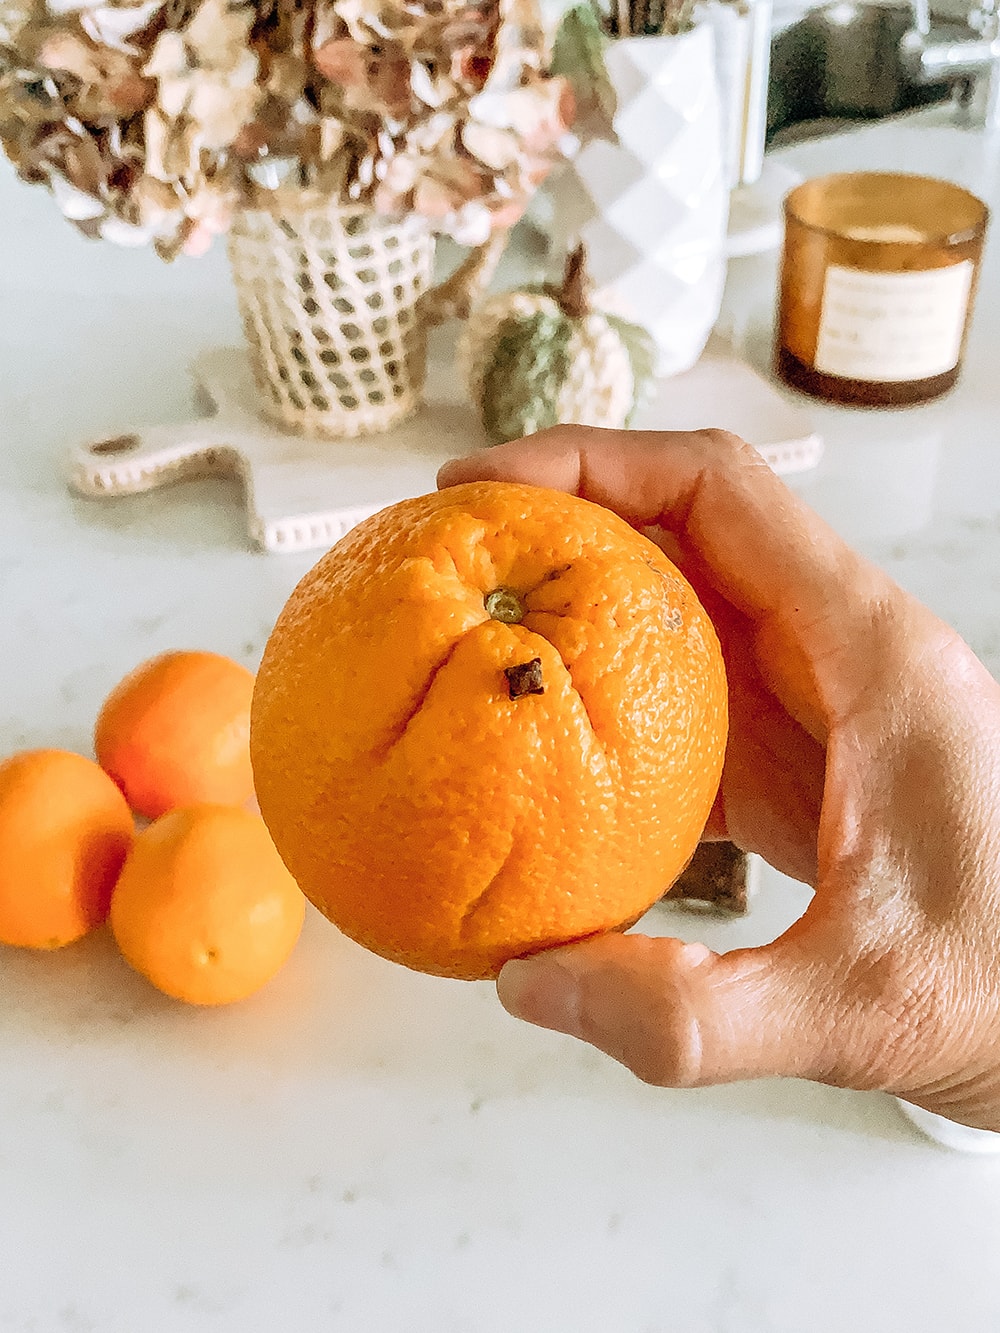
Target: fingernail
541,991
449,469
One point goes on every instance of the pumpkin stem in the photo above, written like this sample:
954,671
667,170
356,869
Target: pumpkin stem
572,295
505,605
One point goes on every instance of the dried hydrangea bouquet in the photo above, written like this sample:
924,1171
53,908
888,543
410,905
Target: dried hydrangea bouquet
331,140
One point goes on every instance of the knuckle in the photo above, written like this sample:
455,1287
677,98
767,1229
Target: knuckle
724,445
665,1050
637,1007
723,440
570,436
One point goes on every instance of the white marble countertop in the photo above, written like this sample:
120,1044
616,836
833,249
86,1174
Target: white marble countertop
360,1148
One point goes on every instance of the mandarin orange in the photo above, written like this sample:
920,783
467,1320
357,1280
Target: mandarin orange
65,830
204,908
175,732
488,721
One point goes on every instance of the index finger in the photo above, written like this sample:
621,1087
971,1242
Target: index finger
710,488
805,591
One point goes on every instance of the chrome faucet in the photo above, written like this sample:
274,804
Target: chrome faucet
965,55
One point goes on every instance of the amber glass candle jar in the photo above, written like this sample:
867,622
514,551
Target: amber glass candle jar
878,275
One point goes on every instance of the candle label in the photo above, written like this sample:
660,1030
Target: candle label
890,327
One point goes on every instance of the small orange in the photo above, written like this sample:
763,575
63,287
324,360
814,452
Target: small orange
175,732
65,830
490,720
204,908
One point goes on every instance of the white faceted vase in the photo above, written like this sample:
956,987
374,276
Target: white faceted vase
651,207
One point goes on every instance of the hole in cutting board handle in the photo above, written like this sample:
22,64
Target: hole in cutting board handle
117,444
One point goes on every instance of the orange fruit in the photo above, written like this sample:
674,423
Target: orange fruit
204,908
488,721
65,830
175,732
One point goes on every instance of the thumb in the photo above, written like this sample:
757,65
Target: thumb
677,1014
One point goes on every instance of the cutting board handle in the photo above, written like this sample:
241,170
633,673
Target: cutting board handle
143,460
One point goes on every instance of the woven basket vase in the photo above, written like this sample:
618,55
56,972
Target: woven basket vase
329,298
337,304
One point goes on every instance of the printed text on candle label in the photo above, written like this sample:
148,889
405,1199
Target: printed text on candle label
890,327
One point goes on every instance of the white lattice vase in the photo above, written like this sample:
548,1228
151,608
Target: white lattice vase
330,299
652,206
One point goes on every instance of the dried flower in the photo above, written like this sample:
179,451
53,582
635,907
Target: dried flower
152,120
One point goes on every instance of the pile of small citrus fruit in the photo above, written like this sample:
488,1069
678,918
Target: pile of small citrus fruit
198,899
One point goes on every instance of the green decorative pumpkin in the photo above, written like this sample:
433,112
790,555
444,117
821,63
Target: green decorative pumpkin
543,356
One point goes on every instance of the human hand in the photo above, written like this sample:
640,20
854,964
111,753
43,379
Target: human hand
863,758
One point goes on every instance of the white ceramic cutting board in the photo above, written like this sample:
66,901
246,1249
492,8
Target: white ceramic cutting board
303,494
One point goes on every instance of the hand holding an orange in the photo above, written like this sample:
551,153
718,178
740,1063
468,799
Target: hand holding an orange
863,759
